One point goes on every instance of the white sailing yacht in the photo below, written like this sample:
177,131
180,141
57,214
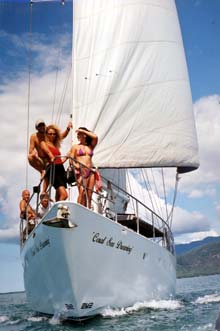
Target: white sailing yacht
131,87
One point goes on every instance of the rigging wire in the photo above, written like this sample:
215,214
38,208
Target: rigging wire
29,90
30,46
130,190
62,98
170,217
63,94
147,185
55,87
164,191
158,202
90,65
150,192
73,74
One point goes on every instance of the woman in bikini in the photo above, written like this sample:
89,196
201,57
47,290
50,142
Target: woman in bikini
83,153
51,147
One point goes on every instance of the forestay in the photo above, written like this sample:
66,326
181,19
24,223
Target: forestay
131,84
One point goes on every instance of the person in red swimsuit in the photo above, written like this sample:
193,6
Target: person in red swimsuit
83,152
51,147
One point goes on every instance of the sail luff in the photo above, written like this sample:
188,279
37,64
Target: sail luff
132,85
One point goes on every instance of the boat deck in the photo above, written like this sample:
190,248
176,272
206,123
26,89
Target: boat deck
145,229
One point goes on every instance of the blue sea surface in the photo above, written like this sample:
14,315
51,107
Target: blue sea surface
195,308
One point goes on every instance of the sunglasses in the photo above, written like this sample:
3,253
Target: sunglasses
41,125
52,134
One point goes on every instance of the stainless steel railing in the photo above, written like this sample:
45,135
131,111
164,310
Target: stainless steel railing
102,205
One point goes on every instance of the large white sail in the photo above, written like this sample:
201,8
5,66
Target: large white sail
131,83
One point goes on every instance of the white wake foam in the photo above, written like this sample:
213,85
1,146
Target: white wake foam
208,326
208,298
37,318
3,319
153,304
13,322
56,319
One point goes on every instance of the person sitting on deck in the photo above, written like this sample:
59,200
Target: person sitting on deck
37,157
26,211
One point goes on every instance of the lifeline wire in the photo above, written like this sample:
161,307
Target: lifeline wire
29,89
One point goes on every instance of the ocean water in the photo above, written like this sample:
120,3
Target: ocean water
195,307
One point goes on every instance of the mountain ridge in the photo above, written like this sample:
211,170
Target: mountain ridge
201,260
183,248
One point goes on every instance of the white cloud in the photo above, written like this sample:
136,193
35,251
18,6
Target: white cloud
195,236
10,234
211,192
203,182
189,222
207,113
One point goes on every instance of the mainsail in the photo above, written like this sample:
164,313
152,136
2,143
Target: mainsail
131,84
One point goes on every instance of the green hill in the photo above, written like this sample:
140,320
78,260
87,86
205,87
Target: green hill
183,248
201,261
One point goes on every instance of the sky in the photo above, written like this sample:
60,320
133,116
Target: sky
197,212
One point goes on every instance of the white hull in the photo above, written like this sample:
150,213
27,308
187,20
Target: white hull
80,271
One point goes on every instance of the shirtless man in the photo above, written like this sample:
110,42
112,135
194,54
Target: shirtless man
25,209
36,156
